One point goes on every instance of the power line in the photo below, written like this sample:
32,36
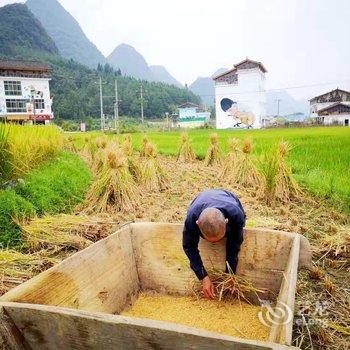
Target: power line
281,88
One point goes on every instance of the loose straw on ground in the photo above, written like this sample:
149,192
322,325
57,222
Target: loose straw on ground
65,231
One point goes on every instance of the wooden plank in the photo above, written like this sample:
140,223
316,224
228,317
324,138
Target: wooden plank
102,277
282,327
164,267
10,337
53,328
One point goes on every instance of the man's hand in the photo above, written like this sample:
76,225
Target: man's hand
208,288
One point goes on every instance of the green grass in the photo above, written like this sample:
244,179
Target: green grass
320,157
13,207
55,187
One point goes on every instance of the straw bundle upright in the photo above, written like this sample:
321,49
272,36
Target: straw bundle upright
185,153
214,154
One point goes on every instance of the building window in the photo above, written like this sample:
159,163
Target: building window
13,88
39,104
16,106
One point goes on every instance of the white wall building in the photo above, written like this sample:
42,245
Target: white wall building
25,92
240,97
332,107
192,116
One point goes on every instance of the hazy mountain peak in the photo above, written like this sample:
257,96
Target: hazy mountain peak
161,74
130,62
66,32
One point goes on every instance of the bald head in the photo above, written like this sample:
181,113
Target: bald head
212,224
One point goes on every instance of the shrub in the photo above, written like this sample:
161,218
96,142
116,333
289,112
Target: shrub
57,187
13,209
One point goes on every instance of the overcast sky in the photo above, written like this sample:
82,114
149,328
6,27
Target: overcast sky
300,42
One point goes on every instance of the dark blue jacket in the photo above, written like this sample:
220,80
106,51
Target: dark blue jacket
228,203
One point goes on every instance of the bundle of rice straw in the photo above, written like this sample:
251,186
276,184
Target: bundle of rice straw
144,143
186,153
101,142
279,183
114,188
286,186
127,146
153,176
245,171
134,162
231,286
66,231
214,154
230,160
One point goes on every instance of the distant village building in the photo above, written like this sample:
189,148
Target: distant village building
192,116
25,92
332,107
240,97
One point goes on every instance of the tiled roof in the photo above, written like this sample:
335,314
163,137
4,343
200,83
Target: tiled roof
24,65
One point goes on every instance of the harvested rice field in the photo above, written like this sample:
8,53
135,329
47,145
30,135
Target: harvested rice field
233,318
162,187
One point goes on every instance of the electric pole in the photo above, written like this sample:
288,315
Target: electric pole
101,106
116,107
141,92
278,107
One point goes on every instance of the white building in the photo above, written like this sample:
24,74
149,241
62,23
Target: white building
192,116
25,92
240,98
332,107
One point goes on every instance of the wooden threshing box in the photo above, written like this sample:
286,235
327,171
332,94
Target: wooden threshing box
75,304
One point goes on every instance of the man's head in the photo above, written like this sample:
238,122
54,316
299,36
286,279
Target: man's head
212,224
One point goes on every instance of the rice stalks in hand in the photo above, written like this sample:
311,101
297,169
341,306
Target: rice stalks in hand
65,231
186,153
153,176
114,188
214,154
245,171
229,163
230,286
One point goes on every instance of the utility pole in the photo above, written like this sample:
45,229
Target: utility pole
141,92
101,106
278,107
116,107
